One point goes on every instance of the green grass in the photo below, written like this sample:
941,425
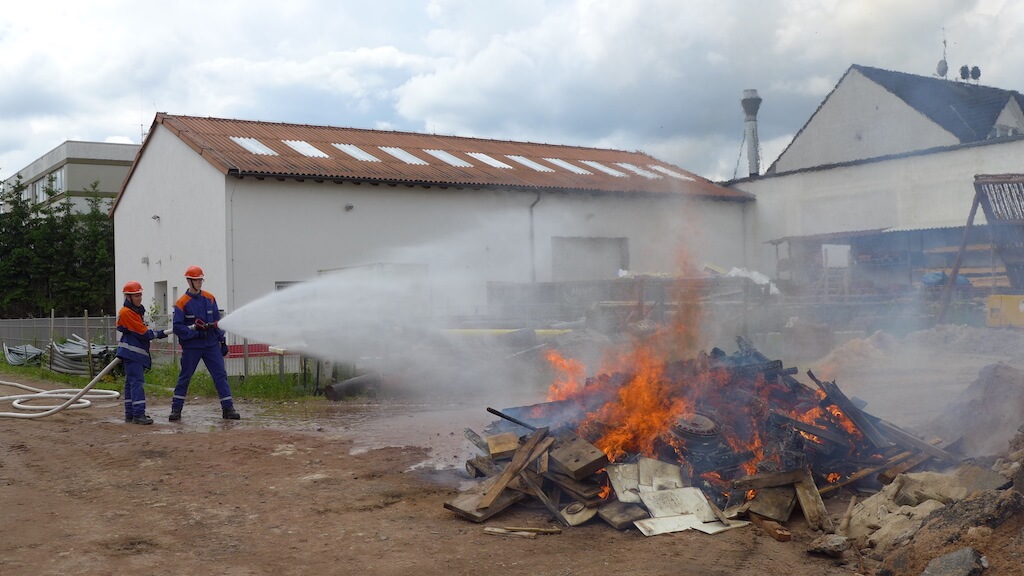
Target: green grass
160,382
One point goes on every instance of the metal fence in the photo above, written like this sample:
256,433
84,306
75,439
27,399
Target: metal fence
245,357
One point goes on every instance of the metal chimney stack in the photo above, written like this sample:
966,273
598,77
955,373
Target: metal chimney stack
751,102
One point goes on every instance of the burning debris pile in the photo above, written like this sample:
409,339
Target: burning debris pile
673,445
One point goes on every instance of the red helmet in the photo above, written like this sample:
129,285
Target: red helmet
132,287
194,273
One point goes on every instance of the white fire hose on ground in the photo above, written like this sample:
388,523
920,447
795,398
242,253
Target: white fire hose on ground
75,398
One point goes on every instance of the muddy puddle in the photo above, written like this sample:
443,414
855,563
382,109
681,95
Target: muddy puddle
438,425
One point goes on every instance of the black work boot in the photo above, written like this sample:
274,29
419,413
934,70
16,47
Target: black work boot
230,414
128,418
175,415
142,419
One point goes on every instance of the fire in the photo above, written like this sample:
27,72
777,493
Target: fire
569,376
833,477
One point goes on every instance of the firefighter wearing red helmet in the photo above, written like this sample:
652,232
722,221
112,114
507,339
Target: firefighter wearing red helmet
133,350
195,324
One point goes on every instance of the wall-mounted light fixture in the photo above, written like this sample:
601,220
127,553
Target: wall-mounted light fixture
349,207
156,217
145,259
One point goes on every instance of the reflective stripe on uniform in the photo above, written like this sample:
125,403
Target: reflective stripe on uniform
131,348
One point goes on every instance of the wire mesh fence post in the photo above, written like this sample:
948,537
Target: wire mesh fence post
88,344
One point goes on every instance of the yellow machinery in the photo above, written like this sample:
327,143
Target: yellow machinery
1005,310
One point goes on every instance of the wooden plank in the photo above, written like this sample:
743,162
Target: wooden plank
575,457
864,424
774,503
581,488
531,480
864,473
888,475
477,441
502,446
519,461
768,479
495,531
811,504
911,442
771,527
467,504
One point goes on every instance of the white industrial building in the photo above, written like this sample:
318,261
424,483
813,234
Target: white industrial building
261,205
885,166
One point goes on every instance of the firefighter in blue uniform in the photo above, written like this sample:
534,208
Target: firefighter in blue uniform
133,350
195,325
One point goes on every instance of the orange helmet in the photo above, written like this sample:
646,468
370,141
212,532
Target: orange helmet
132,287
194,273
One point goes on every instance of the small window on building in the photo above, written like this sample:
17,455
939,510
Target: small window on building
528,163
305,148
253,145
488,160
670,172
605,169
449,158
403,155
570,167
58,180
638,170
356,152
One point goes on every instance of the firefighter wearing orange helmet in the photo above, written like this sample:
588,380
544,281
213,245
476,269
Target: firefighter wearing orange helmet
195,324
133,350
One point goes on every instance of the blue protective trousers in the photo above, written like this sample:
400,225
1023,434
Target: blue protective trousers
214,361
134,394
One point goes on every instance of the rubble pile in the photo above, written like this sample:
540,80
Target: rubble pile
710,443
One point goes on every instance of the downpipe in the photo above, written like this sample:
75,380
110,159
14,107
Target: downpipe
75,398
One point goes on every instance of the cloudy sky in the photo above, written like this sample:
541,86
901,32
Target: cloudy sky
660,76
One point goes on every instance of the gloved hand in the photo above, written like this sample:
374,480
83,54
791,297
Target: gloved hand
164,333
223,348
203,325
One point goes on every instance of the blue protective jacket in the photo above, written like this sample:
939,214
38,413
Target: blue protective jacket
135,335
191,307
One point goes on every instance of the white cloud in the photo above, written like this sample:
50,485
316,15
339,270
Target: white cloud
661,76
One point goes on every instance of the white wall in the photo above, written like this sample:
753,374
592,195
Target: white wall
288,231
861,119
173,182
921,191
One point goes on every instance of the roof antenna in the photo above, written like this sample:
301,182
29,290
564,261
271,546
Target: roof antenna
942,67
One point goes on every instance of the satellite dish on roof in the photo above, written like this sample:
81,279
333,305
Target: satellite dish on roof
942,68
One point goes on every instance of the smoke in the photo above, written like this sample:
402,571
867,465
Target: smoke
394,316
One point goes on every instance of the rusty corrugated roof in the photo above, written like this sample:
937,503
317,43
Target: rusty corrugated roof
213,139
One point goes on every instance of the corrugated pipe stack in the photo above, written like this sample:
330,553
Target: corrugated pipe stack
72,357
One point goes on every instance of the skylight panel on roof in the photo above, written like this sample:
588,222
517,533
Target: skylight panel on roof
670,172
356,152
638,170
449,158
253,145
403,155
488,160
605,169
568,166
305,148
528,163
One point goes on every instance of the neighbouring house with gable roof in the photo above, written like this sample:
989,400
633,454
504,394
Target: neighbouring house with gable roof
261,205
884,170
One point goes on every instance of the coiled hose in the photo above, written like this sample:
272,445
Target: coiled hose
75,398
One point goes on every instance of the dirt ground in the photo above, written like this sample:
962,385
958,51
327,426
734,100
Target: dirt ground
317,487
